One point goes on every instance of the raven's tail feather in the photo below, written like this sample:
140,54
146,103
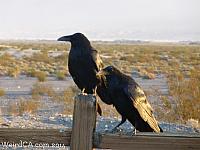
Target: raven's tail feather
99,109
161,130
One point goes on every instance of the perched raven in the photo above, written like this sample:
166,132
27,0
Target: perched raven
129,100
84,62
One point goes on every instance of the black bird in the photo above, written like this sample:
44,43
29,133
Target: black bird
84,62
129,100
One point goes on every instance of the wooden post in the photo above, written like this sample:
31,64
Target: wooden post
84,122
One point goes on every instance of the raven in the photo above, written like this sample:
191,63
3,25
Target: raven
129,100
84,62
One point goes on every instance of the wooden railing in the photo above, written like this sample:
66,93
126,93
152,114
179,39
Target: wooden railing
83,135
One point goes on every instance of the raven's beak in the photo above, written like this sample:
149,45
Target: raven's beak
64,38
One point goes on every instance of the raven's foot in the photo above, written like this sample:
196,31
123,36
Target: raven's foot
135,132
95,91
83,92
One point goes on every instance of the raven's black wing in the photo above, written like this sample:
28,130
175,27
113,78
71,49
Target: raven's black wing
137,95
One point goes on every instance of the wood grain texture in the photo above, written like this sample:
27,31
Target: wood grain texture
149,142
13,135
143,141
84,121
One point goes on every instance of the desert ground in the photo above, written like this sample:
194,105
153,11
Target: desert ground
36,90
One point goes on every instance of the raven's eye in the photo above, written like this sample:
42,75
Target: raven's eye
110,68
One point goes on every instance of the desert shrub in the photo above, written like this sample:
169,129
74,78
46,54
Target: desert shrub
41,89
41,45
2,48
183,102
41,76
128,58
2,92
31,72
14,72
166,103
22,106
60,75
6,59
12,109
40,57
63,59
69,93
30,106
186,93
67,96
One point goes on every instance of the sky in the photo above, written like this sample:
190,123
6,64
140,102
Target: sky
164,20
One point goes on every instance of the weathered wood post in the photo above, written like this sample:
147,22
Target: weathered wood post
84,122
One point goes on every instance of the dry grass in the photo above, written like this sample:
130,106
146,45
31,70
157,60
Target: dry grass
23,106
31,72
151,58
6,59
67,97
186,93
41,90
180,64
183,101
37,45
29,106
2,92
13,109
14,71
41,76
40,57
60,75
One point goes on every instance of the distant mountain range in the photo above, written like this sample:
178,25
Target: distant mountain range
123,41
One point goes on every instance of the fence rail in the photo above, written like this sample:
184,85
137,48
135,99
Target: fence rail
140,141
82,135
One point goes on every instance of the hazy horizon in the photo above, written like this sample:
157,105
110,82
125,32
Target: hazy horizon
154,20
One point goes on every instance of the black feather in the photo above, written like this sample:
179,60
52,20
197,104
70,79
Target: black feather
129,100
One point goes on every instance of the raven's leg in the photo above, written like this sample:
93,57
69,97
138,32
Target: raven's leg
135,131
122,121
83,91
95,91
